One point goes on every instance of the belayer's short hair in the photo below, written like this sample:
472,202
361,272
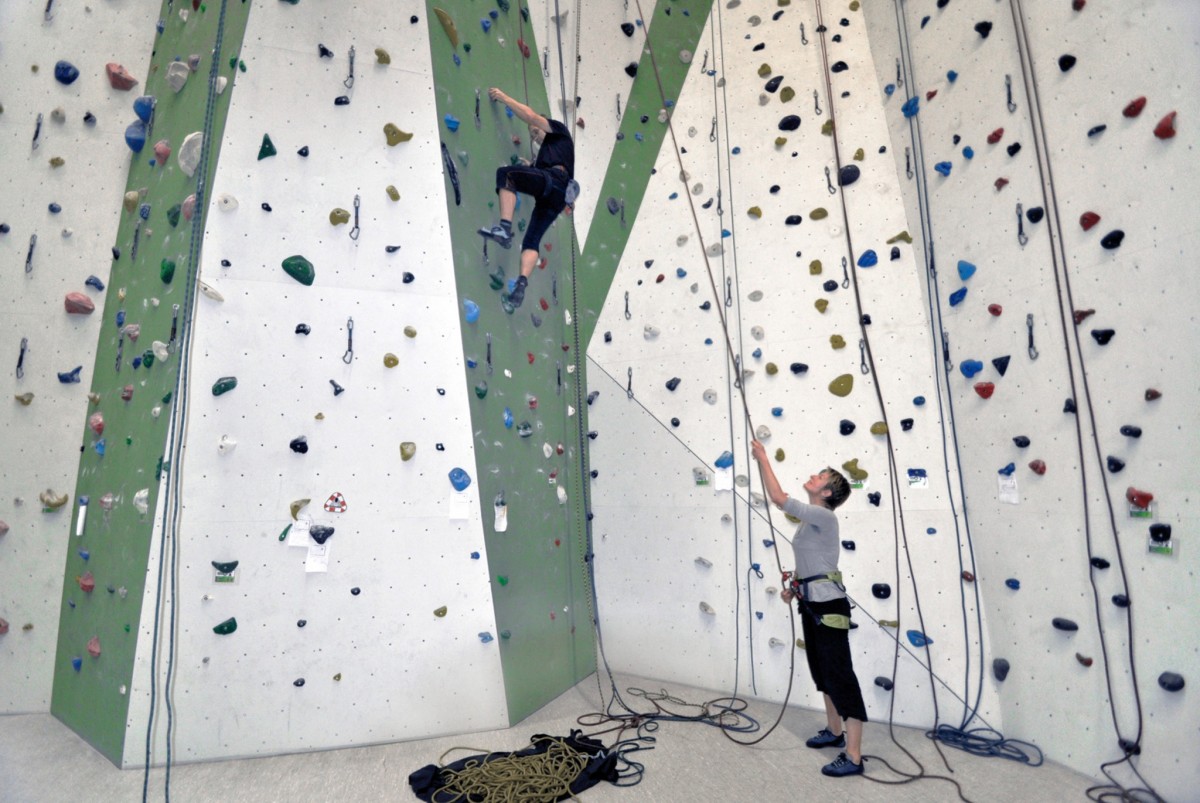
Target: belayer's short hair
839,489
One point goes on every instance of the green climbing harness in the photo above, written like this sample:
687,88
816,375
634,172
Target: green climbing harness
799,587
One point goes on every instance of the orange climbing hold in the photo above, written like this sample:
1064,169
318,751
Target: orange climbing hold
1135,107
1166,127
985,389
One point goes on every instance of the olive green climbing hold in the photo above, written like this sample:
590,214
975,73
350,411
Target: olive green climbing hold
889,622
226,627
382,56
407,450
339,216
764,70
267,148
837,341
859,155
410,331
821,304
903,236
820,213
300,269
879,428
57,161
827,128
390,360
173,215
754,212
296,506
854,5
779,455
772,369
780,141
167,271
24,398
338,676
857,474
394,135
814,267
393,193
224,385
447,24
131,200
786,94
842,385
440,612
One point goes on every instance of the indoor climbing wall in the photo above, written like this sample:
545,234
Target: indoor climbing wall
799,239
1039,149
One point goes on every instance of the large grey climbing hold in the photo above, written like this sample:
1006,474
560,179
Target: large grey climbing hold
177,75
1000,669
189,152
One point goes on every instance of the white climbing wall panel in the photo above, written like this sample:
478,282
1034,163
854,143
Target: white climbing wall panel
41,440
657,530
376,664
1141,290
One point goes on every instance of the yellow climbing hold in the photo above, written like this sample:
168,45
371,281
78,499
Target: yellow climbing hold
296,506
131,200
25,398
754,212
410,331
786,94
854,7
94,398
440,612
448,24
339,216
902,237
859,155
393,193
842,385
772,369
879,428
814,268
822,304
57,161
764,70
407,450
889,622
390,360
837,341
394,135
820,213
52,500
857,474
827,128
779,455
780,142
382,57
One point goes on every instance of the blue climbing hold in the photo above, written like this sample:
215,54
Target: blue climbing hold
919,401
474,556
931,530
756,354
889,90
65,73
485,637
83,553
508,418
144,211
868,259
911,106
459,479
1008,470
957,296
726,233
672,196
736,151
943,168
965,269
951,76
486,24
54,208
94,281
76,663
970,367
458,61
451,122
917,474
968,152
777,411
918,639
680,272
1013,583
70,377
143,107
100,447
470,310
725,460
638,136
758,615
135,136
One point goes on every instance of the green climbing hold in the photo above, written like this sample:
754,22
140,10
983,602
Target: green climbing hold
780,142
392,192
440,612
857,474
827,128
822,304
167,271
859,155
814,268
501,579
283,535
382,56
820,213
481,390
447,25
395,136
879,428
842,385
339,216
764,70
902,237
300,269
786,94
779,455
754,212
173,215
390,360
497,277
267,148
148,358
772,369
410,331
226,627
837,341
407,450
224,385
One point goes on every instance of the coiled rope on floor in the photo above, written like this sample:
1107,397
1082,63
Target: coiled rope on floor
512,778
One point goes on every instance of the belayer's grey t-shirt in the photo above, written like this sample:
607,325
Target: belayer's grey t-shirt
815,546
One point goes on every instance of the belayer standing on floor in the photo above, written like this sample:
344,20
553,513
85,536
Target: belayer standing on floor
817,587
550,180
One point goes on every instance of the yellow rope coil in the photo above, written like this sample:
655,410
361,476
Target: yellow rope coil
516,779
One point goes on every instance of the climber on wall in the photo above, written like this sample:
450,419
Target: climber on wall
550,180
824,610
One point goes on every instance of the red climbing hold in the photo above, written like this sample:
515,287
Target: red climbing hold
1088,219
660,278
78,304
524,47
93,646
529,356
87,582
968,576
1138,498
336,503
1078,4
542,263
985,389
995,310
1082,315
1135,107
1152,394
1001,183
1166,127
931,94
544,304
995,136
1038,466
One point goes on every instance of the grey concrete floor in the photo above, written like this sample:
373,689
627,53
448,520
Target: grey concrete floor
42,761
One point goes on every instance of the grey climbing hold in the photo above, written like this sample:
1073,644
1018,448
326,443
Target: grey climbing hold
1000,667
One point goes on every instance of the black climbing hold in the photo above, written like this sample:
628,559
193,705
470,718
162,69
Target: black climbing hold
924,21
883,683
408,278
774,189
956,139
591,397
775,17
789,123
322,533
875,497
793,220
1014,149
324,52
1066,61
883,148
706,306
866,319
1120,600
1100,563
225,567
848,175
839,66
1000,669
627,28
1001,364
1131,431
645,118
830,286
1115,464
906,424
1130,747
5,228
774,83
266,207
303,151
881,590
821,29
895,253
837,37
356,591
674,422
608,337
1102,336
1064,624
298,682
942,3
798,368
1035,214
756,48
849,546
89,118
1021,441
413,19
1171,681
301,622
983,28
846,426
341,100
594,473
391,249
1160,533
1097,130
1069,406
673,383
225,263
338,390
303,329
631,69
845,23
1113,239
116,252
299,445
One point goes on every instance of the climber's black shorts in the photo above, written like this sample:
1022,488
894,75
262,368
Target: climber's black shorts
548,186
828,652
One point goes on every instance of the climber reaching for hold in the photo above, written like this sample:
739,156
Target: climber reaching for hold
550,181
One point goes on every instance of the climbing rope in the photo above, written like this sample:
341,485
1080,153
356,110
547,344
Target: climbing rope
536,778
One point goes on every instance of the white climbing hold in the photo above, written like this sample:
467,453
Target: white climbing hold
221,83
692,131
757,332
697,188
763,432
177,75
226,445
662,115
156,411
650,332
210,291
141,501
160,350
681,240
183,14
226,202
715,249
562,495
189,151
547,450
567,317
685,56
757,500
